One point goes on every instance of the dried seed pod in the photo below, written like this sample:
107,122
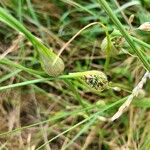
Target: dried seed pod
145,26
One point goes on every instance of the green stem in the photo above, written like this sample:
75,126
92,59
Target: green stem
135,39
11,21
46,55
116,21
141,42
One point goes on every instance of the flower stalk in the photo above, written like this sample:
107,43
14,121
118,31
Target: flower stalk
46,55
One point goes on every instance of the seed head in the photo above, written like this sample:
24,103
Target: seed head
145,26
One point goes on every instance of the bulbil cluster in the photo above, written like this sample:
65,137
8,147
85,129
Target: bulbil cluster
96,80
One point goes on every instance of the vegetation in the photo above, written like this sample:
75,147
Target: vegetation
74,75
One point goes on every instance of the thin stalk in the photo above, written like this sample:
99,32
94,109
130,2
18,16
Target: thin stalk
78,97
7,76
24,83
116,21
89,120
141,42
62,77
46,55
51,119
138,41
6,61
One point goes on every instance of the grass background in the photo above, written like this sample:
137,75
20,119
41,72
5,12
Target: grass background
40,112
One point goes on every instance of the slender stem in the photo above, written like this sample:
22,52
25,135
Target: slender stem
135,39
42,79
141,42
11,21
116,21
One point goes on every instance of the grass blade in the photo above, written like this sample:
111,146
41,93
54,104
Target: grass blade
116,21
46,55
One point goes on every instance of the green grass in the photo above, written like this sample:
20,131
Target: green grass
50,107
46,55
